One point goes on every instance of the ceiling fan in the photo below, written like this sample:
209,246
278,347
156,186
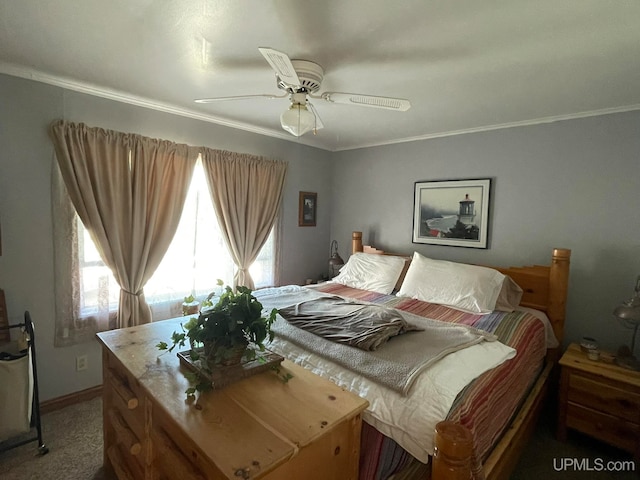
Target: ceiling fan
301,79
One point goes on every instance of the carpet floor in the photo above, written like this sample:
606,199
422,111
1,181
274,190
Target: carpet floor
74,437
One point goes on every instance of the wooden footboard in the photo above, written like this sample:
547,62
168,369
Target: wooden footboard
544,288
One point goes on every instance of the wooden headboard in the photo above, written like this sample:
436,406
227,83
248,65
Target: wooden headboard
545,286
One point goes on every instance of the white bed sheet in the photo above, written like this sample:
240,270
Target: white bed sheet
409,420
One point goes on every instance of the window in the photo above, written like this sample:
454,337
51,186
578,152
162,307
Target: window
195,260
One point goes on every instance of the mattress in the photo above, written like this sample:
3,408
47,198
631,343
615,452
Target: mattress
480,386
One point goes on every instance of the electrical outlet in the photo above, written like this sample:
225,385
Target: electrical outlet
82,362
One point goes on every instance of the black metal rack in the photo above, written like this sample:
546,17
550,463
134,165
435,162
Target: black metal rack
28,328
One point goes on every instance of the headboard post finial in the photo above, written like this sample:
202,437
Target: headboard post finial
356,242
561,254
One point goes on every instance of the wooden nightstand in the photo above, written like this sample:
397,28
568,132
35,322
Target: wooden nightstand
599,399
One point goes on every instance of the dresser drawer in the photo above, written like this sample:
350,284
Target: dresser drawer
133,418
605,396
607,428
123,384
126,398
132,445
124,421
125,466
174,456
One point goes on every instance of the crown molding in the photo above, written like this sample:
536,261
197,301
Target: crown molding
118,96
501,126
89,89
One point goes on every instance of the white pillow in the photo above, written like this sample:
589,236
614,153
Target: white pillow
510,295
465,287
369,271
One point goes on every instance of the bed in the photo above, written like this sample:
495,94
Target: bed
499,401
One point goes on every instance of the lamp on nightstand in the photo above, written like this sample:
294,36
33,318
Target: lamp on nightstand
335,261
628,313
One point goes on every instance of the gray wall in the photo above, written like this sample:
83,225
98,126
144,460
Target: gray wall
26,265
571,184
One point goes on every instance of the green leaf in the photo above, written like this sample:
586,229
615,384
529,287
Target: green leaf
232,318
191,323
284,377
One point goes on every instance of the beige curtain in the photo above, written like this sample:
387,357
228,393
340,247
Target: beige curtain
129,191
246,191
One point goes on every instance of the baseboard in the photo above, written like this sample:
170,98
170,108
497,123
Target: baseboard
71,399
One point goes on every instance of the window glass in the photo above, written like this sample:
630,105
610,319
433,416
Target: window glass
196,258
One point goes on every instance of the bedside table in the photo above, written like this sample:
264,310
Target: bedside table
599,399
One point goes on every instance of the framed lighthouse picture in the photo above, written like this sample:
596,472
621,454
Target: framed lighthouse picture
452,212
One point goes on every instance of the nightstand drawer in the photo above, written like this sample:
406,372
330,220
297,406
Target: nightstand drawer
602,395
605,427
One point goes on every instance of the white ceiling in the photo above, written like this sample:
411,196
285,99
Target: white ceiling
465,65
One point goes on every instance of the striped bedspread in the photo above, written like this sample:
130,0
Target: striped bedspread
488,403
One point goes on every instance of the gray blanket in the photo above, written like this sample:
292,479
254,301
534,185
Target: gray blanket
396,364
362,325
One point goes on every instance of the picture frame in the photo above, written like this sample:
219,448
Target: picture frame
307,209
452,212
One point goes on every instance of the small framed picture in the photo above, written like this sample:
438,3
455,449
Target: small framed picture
307,209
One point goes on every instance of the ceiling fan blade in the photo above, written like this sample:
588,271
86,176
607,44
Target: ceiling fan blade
237,97
389,103
281,64
313,110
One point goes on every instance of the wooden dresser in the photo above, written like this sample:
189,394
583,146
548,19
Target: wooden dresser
259,427
599,399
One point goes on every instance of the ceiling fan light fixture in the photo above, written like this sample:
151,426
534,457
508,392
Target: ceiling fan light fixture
300,80
298,120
